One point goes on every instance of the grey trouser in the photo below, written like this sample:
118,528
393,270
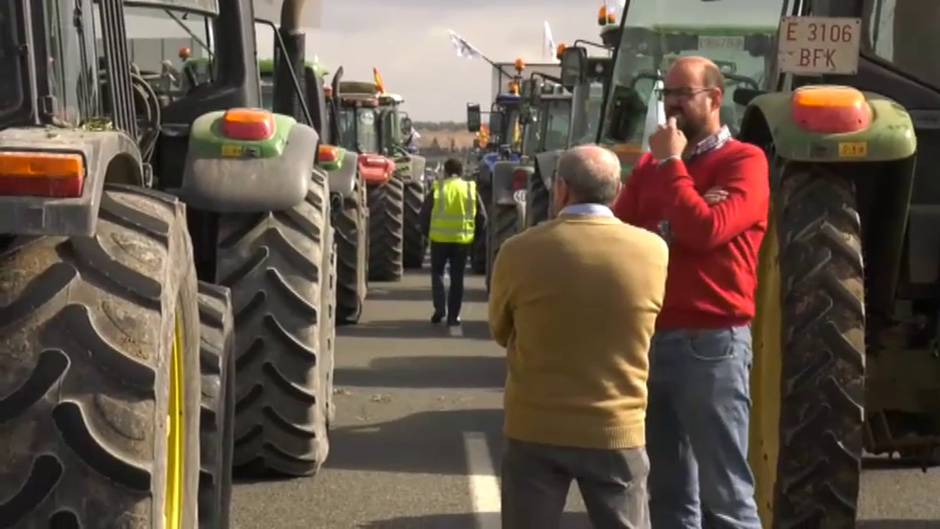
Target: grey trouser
536,478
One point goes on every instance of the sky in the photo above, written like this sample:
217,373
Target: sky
408,41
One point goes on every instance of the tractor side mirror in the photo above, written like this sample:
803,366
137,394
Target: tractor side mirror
573,66
406,125
744,96
473,117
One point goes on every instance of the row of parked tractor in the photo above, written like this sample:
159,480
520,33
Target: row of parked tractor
179,242
846,341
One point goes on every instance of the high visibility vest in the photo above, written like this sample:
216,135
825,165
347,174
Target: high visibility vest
455,208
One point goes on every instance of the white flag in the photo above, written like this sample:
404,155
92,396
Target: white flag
548,43
464,48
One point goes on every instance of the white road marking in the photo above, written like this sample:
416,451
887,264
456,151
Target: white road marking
484,485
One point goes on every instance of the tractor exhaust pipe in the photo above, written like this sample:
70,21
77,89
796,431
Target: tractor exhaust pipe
291,15
285,100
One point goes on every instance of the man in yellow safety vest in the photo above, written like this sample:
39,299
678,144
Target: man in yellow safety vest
452,217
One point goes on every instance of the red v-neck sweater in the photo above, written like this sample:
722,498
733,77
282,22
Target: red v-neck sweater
713,250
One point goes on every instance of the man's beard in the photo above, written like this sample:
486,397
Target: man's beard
689,127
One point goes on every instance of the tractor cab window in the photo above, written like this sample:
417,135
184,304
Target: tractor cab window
358,129
736,34
532,137
588,100
70,62
391,129
171,50
11,83
558,124
883,22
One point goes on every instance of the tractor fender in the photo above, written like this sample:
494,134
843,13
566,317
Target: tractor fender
889,137
343,177
375,169
546,164
230,176
503,177
108,155
411,167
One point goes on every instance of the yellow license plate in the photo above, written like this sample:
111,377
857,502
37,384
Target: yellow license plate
853,149
232,151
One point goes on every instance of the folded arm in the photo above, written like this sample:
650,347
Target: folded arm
695,223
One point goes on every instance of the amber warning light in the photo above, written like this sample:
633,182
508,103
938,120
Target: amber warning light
328,154
248,124
831,109
41,174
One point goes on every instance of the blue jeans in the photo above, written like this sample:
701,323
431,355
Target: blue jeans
697,430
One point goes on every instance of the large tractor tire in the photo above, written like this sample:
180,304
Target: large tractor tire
537,201
416,244
386,225
502,225
217,361
352,240
99,385
811,324
273,262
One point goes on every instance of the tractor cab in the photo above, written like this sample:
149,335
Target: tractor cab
545,116
358,120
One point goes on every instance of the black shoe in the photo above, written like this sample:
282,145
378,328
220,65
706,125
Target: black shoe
437,318
453,322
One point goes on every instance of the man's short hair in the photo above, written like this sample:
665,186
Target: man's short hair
591,173
712,77
453,167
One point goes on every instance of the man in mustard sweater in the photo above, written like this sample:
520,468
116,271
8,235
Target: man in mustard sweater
575,301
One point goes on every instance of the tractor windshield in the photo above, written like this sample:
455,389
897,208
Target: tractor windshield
11,83
357,129
556,128
586,112
657,32
171,50
899,31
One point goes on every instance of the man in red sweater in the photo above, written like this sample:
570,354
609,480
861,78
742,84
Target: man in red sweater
707,195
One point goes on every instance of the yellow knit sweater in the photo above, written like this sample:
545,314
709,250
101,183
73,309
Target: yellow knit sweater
575,301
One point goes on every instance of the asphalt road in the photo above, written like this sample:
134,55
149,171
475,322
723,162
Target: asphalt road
416,443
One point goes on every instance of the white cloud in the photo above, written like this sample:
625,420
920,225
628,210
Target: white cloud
409,44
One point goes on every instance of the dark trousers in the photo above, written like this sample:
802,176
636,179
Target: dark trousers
455,254
536,477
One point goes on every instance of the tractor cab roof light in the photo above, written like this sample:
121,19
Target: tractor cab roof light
41,174
248,124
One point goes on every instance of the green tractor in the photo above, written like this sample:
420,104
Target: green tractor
358,119
846,348
395,133
584,115
120,402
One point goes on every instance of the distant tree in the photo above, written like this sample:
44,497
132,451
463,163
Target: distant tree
435,145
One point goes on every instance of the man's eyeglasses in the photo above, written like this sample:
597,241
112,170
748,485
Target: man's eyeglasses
681,93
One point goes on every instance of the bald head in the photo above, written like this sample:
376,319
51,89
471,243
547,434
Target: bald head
702,69
590,173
